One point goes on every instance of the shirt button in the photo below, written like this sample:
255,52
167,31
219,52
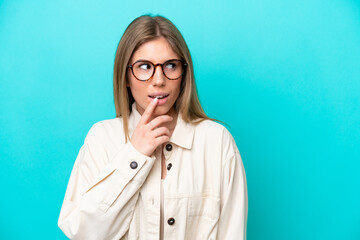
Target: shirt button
133,164
169,166
168,147
171,221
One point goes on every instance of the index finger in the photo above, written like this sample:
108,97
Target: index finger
148,111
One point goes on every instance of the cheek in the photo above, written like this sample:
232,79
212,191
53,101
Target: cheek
133,84
177,89
135,90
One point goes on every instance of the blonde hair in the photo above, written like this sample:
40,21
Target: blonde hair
141,30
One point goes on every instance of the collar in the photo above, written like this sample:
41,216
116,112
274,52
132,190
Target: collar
182,136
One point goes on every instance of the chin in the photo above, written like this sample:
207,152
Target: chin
159,110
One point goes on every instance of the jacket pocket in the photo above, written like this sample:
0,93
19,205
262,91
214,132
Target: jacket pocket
203,215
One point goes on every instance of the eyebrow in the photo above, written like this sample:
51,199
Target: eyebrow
145,60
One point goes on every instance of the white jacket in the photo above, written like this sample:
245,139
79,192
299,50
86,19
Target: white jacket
114,190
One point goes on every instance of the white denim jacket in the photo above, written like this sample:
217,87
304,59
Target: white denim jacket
114,190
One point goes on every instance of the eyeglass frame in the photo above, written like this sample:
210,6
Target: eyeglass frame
155,66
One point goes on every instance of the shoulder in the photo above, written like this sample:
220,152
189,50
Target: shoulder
212,128
106,130
107,124
216,134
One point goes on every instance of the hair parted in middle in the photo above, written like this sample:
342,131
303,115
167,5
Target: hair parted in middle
140,31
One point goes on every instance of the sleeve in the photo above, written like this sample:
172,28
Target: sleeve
102,193
234,198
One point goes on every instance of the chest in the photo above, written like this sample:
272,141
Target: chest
188,172
190,196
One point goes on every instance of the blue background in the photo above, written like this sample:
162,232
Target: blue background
284,75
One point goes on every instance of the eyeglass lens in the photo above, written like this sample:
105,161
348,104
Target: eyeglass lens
144,70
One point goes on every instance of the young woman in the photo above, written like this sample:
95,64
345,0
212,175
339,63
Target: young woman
161,169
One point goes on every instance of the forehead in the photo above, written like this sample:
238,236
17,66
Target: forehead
156,50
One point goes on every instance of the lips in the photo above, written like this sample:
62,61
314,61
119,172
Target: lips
161,96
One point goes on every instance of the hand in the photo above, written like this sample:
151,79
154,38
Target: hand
148,135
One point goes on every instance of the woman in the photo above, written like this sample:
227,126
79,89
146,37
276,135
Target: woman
161,169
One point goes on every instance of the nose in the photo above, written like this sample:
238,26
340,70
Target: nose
158,79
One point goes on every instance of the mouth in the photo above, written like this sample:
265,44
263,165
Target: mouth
159,96
162,97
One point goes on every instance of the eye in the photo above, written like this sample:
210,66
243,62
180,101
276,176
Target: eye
144,66
171,65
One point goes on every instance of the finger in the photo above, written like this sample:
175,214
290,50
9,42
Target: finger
161,131
148,111
159,120
162,139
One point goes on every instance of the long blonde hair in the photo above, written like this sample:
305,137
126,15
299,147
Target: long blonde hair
141,30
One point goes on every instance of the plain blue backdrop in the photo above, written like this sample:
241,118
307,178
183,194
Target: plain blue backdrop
283,74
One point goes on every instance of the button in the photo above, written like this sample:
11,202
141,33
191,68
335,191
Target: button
169,166
133,165
168,147
171,221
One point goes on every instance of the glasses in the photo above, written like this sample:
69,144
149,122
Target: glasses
143,70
